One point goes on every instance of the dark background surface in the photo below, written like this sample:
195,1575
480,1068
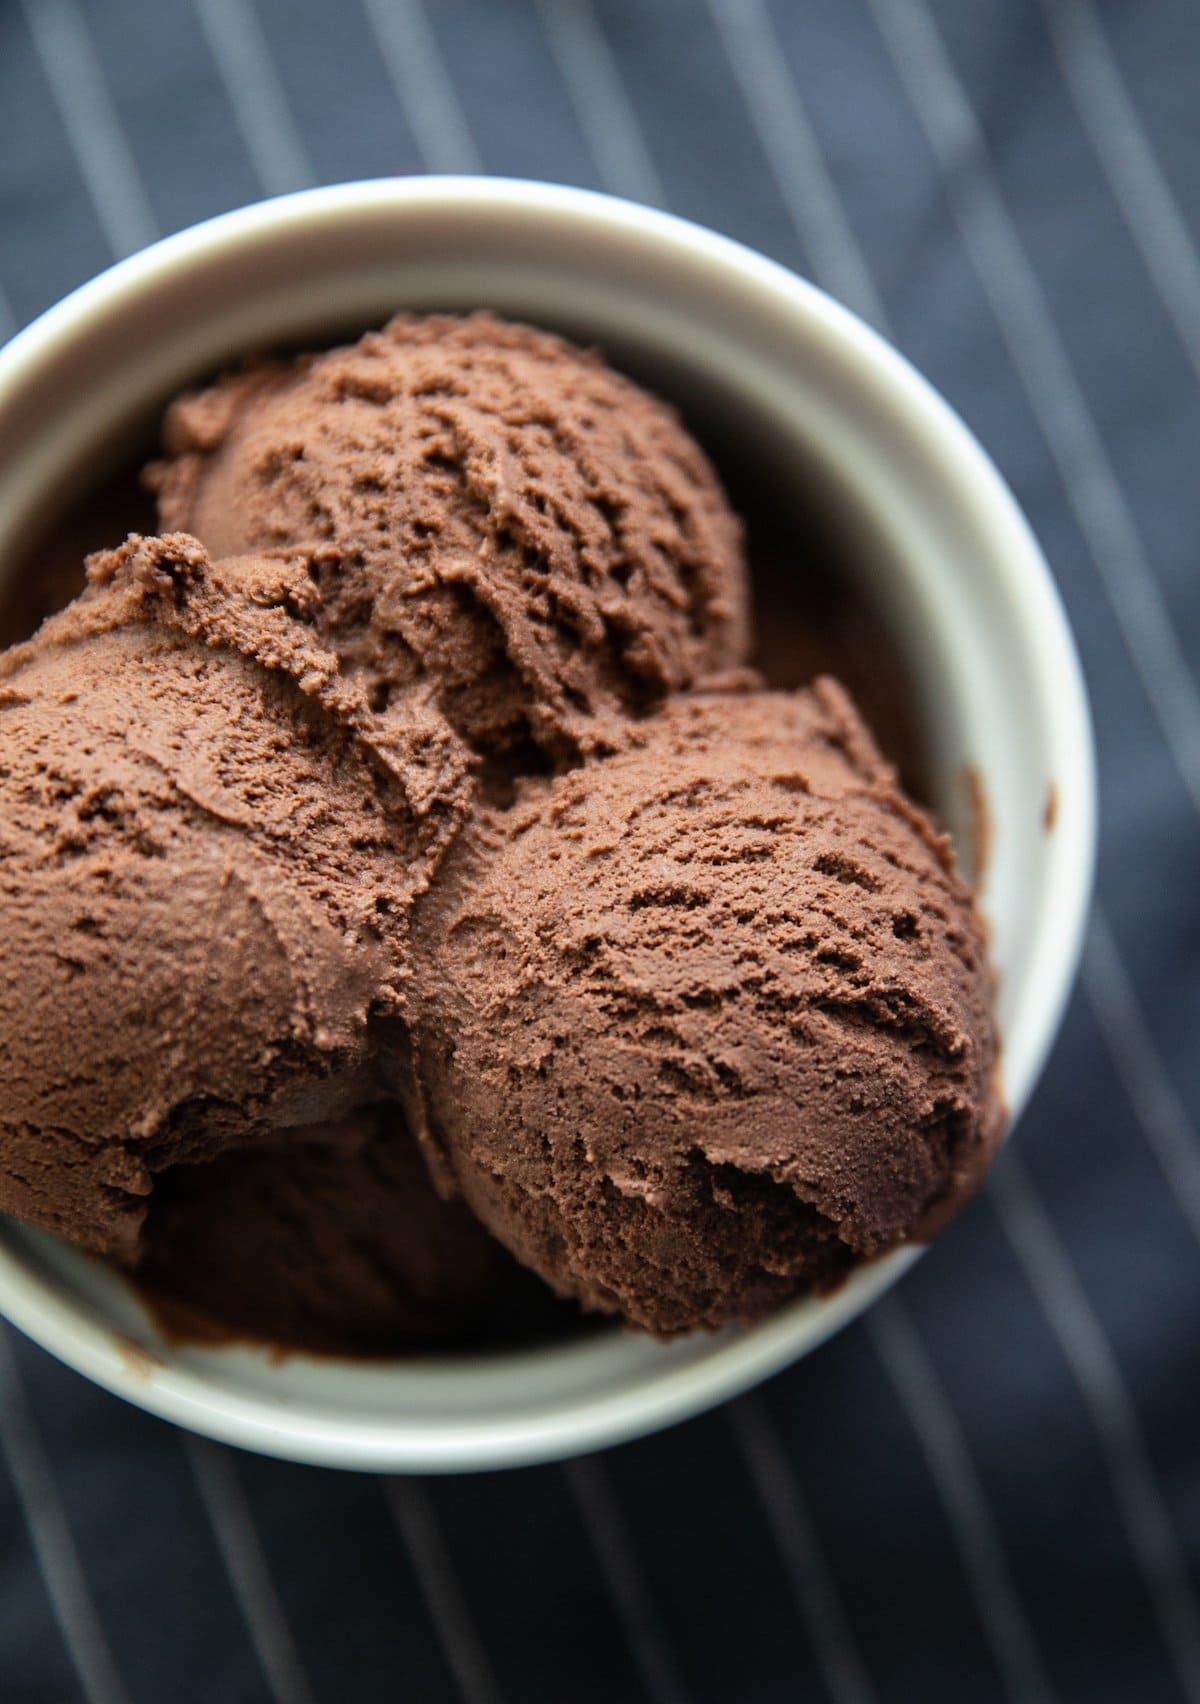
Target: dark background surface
989,1488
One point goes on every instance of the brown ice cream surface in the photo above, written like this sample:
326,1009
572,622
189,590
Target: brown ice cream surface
808,616
497,550
710,1021
209,851
332,1239
495,520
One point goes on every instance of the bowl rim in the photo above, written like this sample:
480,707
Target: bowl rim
733,1362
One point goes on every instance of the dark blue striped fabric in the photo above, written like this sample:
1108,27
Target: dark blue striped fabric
990,1488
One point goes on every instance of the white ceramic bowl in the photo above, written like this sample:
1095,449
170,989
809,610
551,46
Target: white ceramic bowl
951,562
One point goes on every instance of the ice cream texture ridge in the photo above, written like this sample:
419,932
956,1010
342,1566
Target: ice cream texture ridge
416,909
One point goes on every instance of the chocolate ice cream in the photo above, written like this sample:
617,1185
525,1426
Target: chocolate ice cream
709,1021
332,1239
209,850
698,1022
494,519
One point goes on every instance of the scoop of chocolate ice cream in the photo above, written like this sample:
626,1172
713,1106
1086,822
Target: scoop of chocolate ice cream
332,1239
491,515
209,850
708,1021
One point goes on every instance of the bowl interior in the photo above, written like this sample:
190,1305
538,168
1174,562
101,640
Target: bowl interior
816,407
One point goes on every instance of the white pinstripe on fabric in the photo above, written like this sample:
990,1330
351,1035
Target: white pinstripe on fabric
943,108
53,1542
940,1436
604,1525
812,199
409,1505
68,59
816,209
808,1574
649,1646
627,1587
1154,1098
1054,1282
1040,358
413,1512
122,208
772,103
625,165
413,1515
464,1653
252,85
593,83
237,1540
465,1656
1085,1346
1123,148
8,319
413,60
